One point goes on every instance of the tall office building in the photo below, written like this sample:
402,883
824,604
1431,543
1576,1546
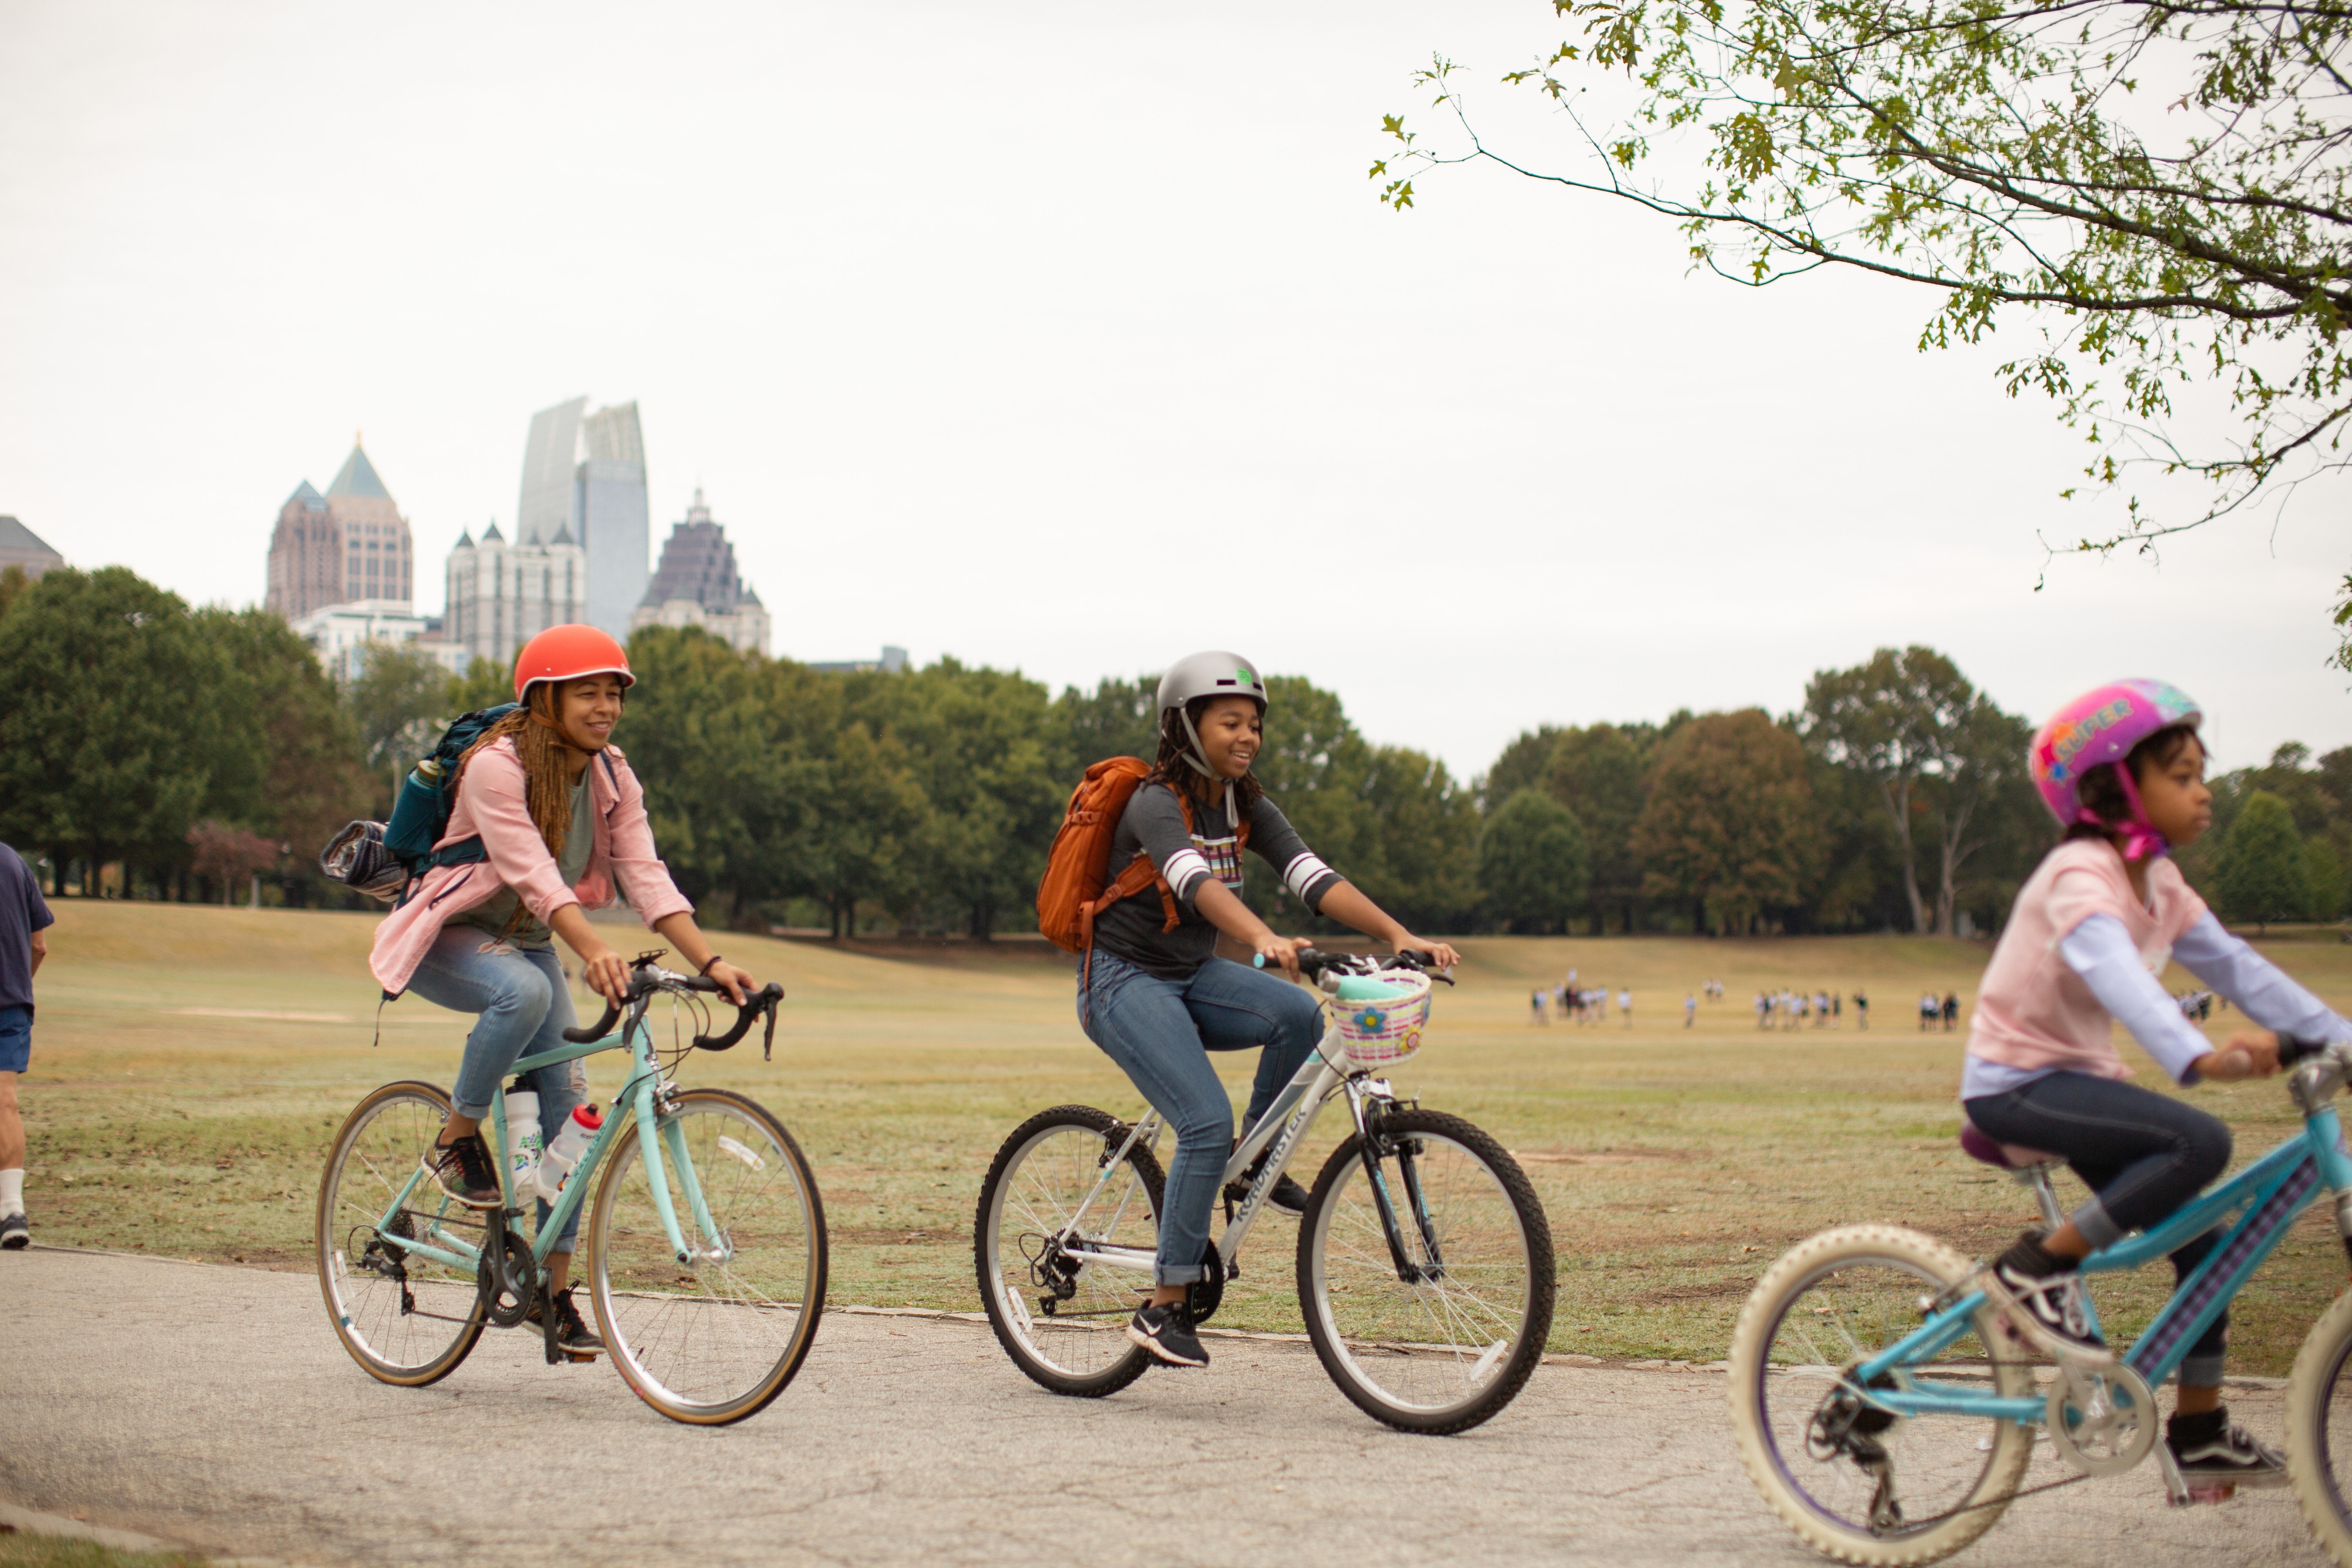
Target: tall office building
348,546
698,585
585,475
502,593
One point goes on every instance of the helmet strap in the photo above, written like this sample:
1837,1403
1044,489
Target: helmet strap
2140,836
1198,759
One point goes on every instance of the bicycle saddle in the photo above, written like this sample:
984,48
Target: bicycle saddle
2004,1156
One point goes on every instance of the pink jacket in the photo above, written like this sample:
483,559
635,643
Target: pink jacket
2032,1010
491,802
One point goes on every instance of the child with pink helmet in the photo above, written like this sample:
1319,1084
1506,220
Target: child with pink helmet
2123,768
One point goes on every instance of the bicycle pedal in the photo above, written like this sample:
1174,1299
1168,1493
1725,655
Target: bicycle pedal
2221,1492
578,1359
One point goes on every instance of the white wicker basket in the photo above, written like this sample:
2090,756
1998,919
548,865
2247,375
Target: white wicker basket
1377,1033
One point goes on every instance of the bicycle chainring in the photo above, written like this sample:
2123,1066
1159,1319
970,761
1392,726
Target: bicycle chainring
2102,1422
507,1307
1203,1295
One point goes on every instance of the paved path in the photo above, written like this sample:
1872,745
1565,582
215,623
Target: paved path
212,1406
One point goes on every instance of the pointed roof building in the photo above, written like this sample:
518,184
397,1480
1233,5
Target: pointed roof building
357,477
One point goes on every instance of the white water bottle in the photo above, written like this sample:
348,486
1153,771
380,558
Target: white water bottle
525,1141
563,1151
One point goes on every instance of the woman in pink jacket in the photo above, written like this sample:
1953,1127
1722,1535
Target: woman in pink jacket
562,818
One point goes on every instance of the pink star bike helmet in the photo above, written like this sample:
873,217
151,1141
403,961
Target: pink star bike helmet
2099,729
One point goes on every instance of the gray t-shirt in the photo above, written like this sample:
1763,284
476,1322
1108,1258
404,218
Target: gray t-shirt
530,931
1153,824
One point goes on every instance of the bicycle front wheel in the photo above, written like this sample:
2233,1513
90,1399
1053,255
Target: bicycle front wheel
1441,1338
1063,1320
406,1319
2319,1430
1854,1482
713,1338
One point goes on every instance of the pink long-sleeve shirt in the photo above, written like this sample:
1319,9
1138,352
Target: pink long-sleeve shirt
493,802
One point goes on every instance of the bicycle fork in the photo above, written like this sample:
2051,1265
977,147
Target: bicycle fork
1367,1100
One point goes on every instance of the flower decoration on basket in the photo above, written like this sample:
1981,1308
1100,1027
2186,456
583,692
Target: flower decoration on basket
1380,1025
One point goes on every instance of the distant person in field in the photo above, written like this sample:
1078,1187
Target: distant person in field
1690,1009
1536,1001
1763,1010
24,918
1625,1005
1930,1009
1837,1010
1861,1009
1951,1010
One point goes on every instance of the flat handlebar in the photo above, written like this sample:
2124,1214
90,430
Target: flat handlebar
1315,963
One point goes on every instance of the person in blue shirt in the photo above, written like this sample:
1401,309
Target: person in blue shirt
24,917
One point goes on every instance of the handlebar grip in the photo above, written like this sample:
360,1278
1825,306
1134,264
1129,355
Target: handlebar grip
2293,1050
758,1002
597,1030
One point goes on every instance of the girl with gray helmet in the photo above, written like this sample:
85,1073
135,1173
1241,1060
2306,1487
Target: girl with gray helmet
1157,999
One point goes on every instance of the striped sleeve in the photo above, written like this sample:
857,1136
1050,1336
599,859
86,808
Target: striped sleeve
1183,870
1304,875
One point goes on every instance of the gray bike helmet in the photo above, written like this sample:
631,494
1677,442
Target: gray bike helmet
1209,674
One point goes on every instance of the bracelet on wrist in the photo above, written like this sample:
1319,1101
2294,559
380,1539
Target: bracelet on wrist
704,972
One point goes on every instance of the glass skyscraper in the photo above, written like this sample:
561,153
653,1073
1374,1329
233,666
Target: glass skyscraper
585,475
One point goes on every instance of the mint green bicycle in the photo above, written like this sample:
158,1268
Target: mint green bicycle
705,1243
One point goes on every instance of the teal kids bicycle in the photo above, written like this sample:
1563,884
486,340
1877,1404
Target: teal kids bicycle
1887,1407
705,1243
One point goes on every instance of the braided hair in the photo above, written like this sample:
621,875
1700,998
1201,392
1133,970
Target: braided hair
540,746
1177,768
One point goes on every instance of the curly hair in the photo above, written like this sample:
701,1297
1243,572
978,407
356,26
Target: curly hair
1174,768
2102,793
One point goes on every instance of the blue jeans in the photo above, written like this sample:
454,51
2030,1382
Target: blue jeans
1161,1033
524,1008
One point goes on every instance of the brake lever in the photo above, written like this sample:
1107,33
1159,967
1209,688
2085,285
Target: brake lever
768,1035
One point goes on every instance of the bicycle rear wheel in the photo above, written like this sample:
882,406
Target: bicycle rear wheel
1063,1321
714,1339
1445,1349
2319,1430
1854,1484
406,1320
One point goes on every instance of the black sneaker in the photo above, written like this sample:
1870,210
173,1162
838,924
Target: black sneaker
14,1234
1167,1332
573,1336
2045,1293
2211,1449
463,1171
1287,1195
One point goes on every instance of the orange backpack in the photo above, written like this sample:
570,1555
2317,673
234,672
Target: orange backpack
1077,884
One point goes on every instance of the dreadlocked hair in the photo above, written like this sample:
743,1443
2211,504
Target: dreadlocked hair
546,778
1171,769
2102,793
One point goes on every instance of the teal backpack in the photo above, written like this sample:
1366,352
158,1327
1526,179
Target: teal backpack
420,815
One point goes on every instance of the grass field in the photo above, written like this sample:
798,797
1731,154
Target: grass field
191,1065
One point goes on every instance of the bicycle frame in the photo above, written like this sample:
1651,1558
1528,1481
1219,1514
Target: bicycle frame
2268,1197
1285,1124
643,1096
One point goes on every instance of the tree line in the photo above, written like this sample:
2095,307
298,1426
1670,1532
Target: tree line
150,749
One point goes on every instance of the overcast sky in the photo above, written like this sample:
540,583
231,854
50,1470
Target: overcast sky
1064,337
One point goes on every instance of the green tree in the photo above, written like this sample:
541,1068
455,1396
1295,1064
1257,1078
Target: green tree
1599,773
1532,864
289,765
110,717
1522,766
2323,870
399,701
984,744
1935,749
1729,828
2263,875
13,583
1424,869
1118,719
1997,155
484,685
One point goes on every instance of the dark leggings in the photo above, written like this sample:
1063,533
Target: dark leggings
2143,1155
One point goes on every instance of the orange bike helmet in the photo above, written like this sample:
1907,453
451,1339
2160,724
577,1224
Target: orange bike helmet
569,654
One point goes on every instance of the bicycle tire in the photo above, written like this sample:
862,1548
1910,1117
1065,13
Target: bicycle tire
670,1344
1084,1361
1932,1267
377,1314
2311,1452
1429,1334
